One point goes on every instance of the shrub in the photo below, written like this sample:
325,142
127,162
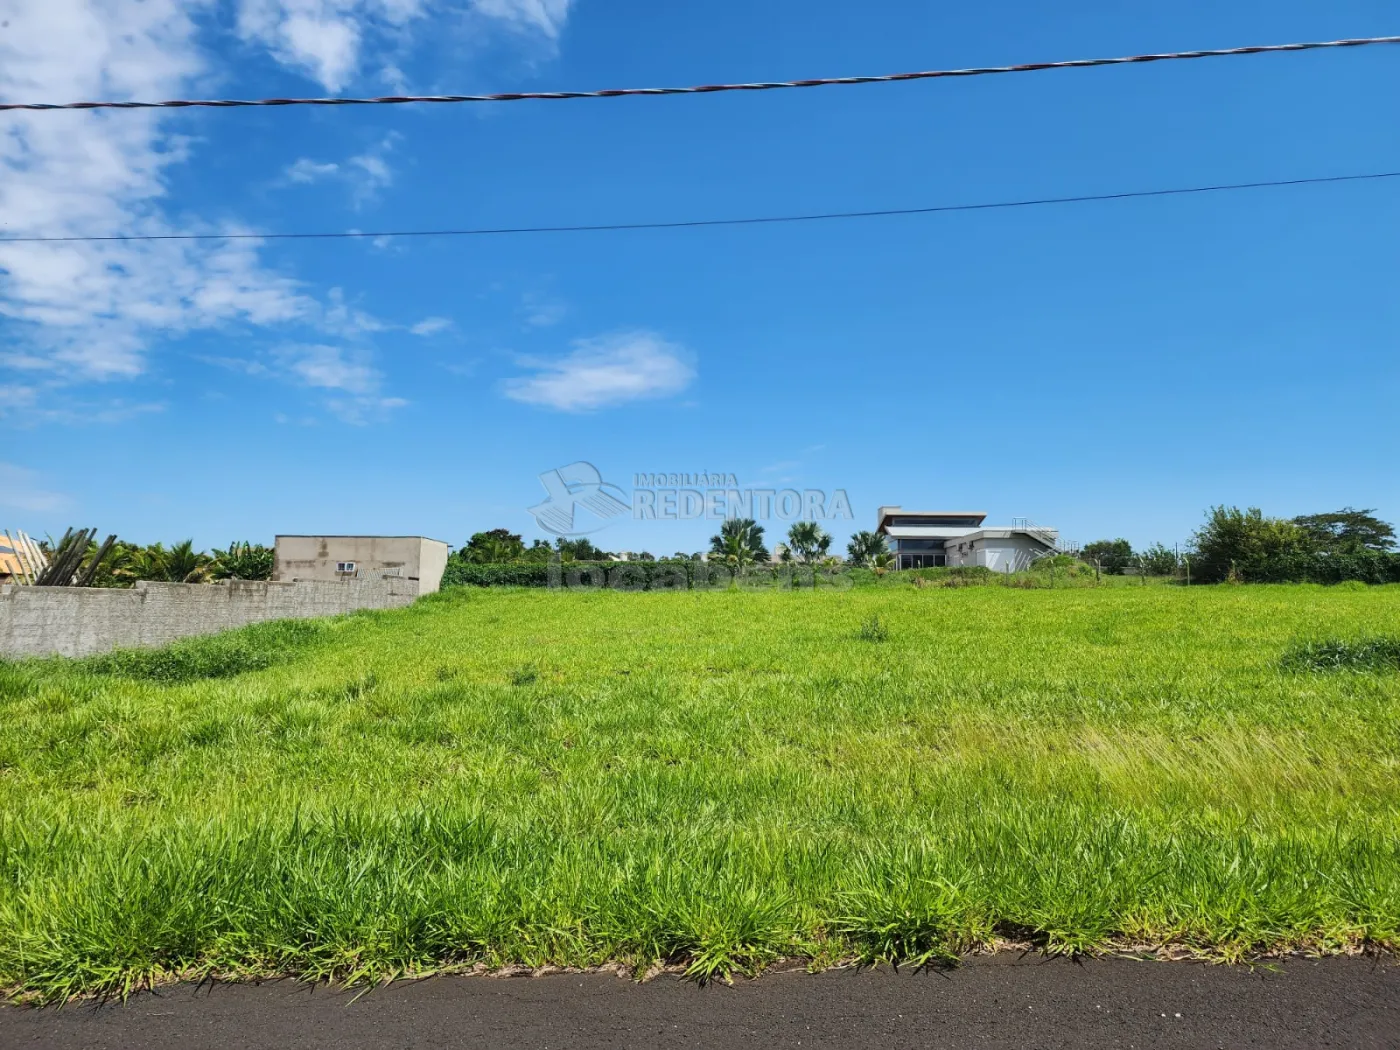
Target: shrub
1377,653
1159,560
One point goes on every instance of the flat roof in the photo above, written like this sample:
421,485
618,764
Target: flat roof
347,536
886,511
972,518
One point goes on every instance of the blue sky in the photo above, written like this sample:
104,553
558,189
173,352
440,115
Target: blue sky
1110,369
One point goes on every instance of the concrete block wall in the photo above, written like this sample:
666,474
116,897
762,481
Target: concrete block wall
82,621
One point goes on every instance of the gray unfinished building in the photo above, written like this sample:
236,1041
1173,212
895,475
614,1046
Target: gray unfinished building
414,558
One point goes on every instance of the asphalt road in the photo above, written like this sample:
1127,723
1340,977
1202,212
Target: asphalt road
1002,1001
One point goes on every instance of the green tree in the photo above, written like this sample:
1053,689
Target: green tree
739,544
1112,556
1348,531
538,551
580,549
865,547
1159,560
1245,545
809,541
494,547
184,564
243,561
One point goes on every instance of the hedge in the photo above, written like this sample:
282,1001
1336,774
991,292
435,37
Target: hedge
1366,567
630,575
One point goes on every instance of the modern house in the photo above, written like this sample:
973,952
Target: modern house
415,558
922,539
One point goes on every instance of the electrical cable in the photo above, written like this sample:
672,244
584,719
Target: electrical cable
705,89
699,223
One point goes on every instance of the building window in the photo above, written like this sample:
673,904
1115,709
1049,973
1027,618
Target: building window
345,566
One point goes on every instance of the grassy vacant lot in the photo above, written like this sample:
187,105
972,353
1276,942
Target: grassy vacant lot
715,778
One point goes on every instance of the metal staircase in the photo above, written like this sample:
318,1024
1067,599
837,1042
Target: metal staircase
1045,535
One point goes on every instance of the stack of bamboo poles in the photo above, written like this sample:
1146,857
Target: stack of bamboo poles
68,565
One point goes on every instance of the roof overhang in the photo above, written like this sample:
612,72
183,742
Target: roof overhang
925,532
974,517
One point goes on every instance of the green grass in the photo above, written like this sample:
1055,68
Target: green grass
715,779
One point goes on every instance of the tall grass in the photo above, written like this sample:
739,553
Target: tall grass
717,779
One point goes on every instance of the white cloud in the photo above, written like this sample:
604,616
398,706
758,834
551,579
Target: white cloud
543,16
329,368
362,410
324,39
347,373
610,370
431,326
542,312
321,38
306,170
13,396
366,174
19,489
83,311
86,310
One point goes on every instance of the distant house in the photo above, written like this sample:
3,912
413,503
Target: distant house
10,565
921,539
415,558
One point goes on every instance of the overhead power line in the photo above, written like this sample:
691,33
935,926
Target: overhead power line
519,96
695,223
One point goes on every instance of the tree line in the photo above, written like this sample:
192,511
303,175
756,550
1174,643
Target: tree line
1248,546
127,563
740,543
1232,545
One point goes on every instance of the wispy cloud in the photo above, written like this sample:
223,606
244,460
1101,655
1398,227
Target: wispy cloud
325,39
322,38
77,312
329,368
92,311
21,489
541,311
306,171
347,373
546,17
366,174
610,370
431,326
360,411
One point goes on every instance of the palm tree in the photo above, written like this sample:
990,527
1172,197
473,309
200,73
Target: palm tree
809,541
739,544
184,564
865,547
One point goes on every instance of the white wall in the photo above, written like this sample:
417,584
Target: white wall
1015,552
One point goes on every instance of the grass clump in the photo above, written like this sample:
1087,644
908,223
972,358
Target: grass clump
710,779
224,655
1379,653
874,629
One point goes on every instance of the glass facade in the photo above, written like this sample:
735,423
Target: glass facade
918,554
